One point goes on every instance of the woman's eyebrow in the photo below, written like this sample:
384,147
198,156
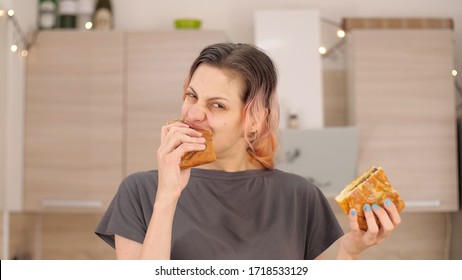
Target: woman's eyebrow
192,89
210,98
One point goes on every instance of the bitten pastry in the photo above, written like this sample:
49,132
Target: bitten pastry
372,187
196,158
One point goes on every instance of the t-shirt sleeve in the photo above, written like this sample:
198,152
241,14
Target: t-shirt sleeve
125,215
323,228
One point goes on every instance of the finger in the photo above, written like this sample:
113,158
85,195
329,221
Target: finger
187,147
392,212
185,130
183,136
372,227
175,141
173,158
179,133
353,219
168,127
386,225
178,124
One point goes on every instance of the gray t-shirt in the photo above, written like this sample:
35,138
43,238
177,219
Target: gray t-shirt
254,214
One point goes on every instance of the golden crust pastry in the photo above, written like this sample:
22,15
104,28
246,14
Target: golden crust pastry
196,158
372,187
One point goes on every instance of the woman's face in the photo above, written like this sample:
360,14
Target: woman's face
213,101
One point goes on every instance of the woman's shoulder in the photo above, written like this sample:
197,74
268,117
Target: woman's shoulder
291,177
142,175
294,181
140,181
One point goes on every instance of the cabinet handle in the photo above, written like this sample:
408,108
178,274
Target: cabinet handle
69,203
423,203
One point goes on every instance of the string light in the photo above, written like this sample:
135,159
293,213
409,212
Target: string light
88,25
454,72
21,45
328,51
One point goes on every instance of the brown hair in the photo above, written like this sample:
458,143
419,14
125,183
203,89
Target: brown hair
261,108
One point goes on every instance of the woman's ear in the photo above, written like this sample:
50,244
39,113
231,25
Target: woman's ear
254,126
259,120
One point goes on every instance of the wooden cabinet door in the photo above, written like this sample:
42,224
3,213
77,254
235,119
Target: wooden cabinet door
73,131
157,65
403,102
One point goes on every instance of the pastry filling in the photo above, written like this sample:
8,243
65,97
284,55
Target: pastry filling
366,177
362,180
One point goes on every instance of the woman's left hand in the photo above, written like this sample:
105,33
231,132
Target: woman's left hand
356,241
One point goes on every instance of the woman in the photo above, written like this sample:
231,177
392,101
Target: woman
238,207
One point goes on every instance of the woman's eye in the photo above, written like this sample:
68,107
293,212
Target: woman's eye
190,94
218,106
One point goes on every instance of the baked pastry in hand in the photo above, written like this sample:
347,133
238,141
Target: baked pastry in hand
372,187
196,158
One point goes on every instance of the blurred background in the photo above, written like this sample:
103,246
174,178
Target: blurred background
85,86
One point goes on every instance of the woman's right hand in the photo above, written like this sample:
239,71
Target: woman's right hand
176,140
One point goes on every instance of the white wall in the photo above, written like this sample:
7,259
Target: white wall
300,76
12,107
3,44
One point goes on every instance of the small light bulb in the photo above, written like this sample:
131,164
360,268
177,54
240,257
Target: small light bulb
2,13
24,53
454,72
88,25
11,13
322,50
14,48
340,33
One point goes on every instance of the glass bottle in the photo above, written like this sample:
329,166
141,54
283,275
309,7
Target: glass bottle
68,14
103,18
47,14
293,121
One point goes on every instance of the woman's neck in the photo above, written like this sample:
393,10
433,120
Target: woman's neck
242,163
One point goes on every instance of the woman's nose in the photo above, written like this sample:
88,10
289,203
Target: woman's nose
196,113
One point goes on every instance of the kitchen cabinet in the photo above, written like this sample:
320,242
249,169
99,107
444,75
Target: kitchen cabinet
74,120
402,99
95,102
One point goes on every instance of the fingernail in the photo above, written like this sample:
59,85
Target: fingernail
375,207
353,212
367,207
387,202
